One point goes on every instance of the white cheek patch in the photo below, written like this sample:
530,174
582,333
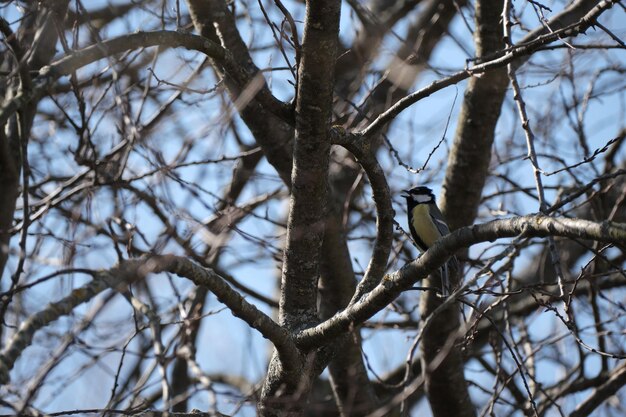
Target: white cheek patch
421,198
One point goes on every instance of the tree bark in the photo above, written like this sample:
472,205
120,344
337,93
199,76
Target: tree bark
286,389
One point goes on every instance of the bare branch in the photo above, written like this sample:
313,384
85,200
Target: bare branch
393,284
602,393
64,66
512,55
130,271
384,211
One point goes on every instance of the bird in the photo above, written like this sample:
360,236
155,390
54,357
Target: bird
427,225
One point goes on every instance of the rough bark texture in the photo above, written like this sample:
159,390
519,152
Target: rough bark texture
307,208
310,170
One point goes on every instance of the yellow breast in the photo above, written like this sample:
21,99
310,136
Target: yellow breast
424,226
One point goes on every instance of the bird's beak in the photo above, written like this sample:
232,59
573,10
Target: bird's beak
406,194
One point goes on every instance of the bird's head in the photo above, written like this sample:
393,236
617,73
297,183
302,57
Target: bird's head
419,195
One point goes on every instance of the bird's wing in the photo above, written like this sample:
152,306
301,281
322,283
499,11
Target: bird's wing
439,221
443,228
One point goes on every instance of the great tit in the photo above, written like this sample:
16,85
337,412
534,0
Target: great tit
427,225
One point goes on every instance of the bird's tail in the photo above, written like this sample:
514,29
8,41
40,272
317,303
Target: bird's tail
449,270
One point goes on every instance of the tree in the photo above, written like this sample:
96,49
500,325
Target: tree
165,163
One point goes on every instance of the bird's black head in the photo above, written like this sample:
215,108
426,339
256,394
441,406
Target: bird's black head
419,195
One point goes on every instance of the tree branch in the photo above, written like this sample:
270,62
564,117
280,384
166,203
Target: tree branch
49,74
384,211
511,55
602,393
298,303
214,21
307,206
393,284
127,272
